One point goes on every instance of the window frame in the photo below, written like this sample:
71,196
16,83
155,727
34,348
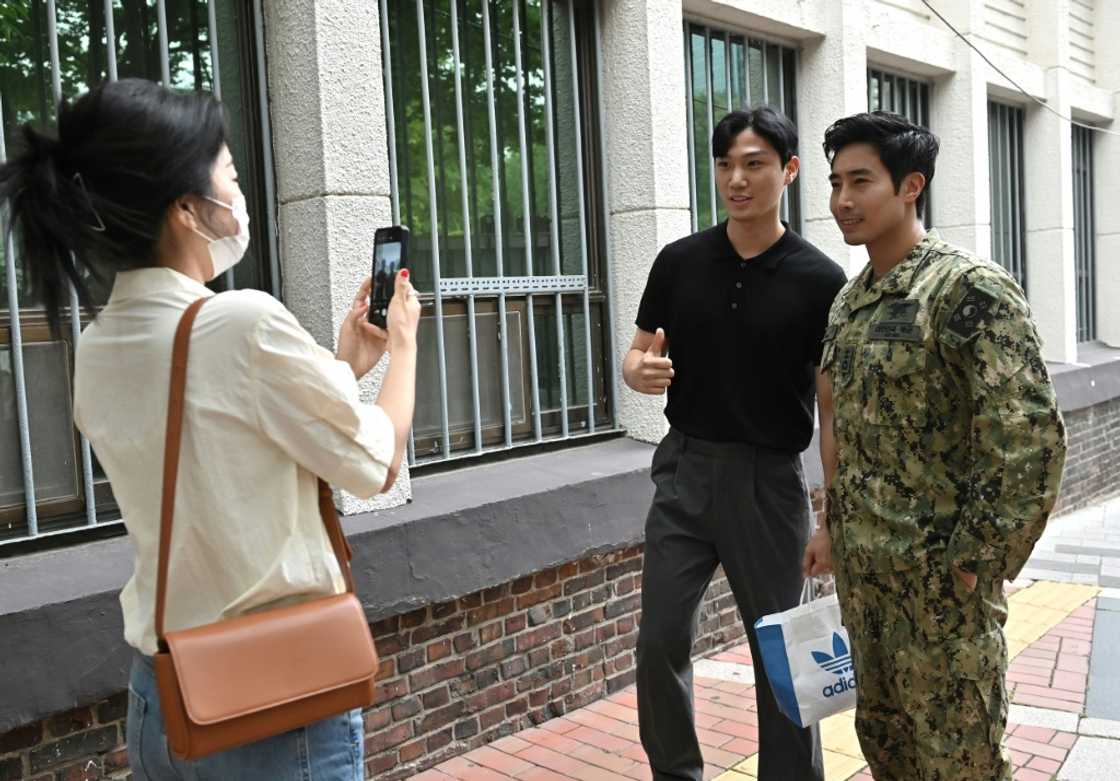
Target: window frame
459,296
1085,232
63,518
919,96
1008,189
788,74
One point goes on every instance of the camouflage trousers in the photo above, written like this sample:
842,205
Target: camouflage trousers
930,659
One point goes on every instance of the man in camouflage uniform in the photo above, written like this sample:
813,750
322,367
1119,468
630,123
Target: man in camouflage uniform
950,448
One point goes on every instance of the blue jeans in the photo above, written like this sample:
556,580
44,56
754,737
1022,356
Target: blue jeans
328,750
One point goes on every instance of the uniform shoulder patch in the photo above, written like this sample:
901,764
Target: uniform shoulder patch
976,306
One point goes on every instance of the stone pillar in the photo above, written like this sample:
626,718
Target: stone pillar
646,148
1048,188
832,84
959,116
1106,162
327,106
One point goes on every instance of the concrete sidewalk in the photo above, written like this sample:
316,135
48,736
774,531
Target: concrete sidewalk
1063,681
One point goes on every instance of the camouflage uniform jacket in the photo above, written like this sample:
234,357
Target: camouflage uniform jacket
948,435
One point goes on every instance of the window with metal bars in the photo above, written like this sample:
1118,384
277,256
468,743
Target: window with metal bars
727,71
50,481
1084,234
1005,155
495,170
907,97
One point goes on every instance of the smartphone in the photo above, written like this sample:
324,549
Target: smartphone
390,255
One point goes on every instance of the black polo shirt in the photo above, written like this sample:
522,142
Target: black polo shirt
744,335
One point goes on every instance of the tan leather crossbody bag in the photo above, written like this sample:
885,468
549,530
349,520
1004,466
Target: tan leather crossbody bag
238,681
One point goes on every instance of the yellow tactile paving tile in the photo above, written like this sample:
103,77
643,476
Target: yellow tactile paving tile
748,767
1032,612
733,775
1036,610
837,767
838,734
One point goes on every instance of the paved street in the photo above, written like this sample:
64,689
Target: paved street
1064,683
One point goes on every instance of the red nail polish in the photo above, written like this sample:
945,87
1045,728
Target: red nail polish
404,273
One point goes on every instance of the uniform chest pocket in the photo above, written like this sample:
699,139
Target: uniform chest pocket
895,384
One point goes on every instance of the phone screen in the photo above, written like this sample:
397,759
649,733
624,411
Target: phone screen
388,259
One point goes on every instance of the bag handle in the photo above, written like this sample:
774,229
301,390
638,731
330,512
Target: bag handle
808,593
179,353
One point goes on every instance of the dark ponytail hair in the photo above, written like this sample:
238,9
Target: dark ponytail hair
93,200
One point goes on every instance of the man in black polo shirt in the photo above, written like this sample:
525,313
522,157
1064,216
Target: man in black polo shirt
740,309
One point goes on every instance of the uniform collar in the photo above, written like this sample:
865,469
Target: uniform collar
146,282
897,281
769,258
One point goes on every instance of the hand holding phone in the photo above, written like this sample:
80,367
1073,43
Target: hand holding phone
390,256
404,313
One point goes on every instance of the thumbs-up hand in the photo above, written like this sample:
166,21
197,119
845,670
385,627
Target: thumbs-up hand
655,372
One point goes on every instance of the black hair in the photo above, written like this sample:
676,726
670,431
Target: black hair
904,147
93,199
766,121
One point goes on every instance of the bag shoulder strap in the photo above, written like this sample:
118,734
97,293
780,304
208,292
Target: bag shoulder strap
172,442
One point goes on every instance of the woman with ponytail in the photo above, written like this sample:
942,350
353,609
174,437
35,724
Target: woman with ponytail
139,188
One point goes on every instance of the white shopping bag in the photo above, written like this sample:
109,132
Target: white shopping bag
806,657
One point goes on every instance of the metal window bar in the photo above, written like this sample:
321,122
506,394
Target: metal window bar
426,105
765,75
461,140
1090,234
689,98
583,222
266,149
783,107
1009,189
527,219
16,347
1084,234
781,101
604,205
711,122
215,84
75,307
503,325
111,41
554,218
164,54
726,39
1017,197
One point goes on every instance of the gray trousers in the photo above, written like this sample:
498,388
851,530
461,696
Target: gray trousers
746,508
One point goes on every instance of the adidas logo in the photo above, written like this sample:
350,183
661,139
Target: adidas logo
839,663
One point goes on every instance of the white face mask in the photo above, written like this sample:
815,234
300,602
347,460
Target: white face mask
227,251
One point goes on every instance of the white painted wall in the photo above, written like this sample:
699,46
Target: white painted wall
1107,154
647,153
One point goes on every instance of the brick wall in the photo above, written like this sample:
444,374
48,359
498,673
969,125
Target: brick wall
1093,463
85,744
461,674
454,675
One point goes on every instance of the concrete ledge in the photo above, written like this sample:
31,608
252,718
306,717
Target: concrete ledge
61,641
1095,380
